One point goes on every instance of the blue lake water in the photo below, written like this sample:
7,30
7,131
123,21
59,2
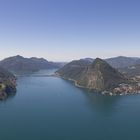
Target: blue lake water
50,108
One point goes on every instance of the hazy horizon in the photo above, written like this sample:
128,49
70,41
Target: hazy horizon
71,59
63,30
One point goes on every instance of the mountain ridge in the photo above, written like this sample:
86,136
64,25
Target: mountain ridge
98,76
21,64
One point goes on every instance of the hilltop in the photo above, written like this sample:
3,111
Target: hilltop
19,64
98,75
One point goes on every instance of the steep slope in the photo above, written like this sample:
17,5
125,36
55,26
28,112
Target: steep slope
20,64
7,83
73,69
98,76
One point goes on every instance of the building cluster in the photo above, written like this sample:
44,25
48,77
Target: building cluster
128,89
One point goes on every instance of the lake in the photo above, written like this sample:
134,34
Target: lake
50,108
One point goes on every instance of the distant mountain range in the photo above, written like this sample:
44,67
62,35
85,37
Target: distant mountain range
19,64
118,75
126,65
133,69
122,62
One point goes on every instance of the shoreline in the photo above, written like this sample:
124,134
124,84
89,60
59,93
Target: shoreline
105,92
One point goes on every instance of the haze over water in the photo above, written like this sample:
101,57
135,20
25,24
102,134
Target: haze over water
54,109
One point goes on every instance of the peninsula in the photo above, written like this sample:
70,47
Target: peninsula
99,76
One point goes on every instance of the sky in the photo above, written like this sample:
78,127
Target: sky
63,30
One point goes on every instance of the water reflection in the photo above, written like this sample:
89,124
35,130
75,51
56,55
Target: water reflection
8,98
103,104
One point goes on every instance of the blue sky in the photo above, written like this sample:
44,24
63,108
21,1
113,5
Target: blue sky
62,30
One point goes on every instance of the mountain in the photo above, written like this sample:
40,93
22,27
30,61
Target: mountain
88,59
131,71
98,75
129,66
122,61
74,68
118,62
137,62
20,64
7,83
